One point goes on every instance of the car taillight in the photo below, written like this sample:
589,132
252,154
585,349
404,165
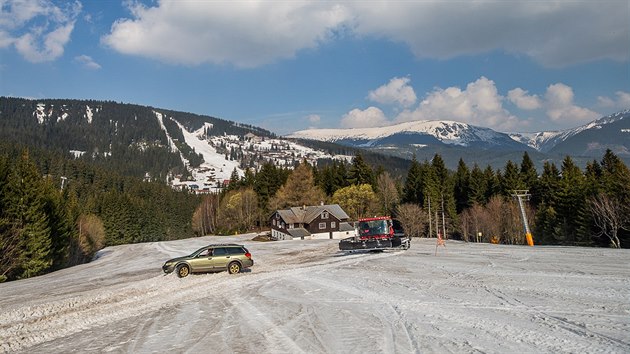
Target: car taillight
248,255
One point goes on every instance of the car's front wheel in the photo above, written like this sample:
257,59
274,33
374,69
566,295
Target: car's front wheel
234,268
183,270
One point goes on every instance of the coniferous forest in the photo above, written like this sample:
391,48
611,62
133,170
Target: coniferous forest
58,209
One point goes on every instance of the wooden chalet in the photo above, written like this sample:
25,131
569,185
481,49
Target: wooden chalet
311,222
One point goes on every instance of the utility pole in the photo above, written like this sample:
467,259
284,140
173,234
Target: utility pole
430,226
443,222
519,194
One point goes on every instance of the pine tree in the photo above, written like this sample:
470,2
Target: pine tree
528,175
492,182
360,172
511,179
412,190
462,186
546,188
299,190
477,187
26,214
267,182
615,177
571,201
439,186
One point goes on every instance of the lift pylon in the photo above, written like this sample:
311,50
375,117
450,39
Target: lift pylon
520,194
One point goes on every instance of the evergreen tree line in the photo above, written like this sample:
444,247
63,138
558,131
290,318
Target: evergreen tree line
472,204
57,212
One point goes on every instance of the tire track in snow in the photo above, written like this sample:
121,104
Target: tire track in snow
24,327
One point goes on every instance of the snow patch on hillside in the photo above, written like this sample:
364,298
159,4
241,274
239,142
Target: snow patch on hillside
89,114
39,113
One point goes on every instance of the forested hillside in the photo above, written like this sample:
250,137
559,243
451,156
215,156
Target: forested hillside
124,138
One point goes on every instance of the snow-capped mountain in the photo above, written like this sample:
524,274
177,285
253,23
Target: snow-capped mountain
600,132
417,133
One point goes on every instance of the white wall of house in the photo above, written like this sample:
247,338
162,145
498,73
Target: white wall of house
337,235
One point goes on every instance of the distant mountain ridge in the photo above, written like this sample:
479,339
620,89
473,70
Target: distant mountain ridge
417,132
455,140
546,141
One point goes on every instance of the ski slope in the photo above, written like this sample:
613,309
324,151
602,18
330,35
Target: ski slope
306,297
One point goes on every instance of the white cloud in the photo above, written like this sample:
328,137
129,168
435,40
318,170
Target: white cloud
560,107
38,29
242,33
314,118
397,90
621,102
524,101
370,117
479,104
254,33
554,33
87,62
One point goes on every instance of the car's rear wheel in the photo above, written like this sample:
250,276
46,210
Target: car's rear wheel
183,271
234,268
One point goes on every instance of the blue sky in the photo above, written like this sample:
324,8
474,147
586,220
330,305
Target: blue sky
293,65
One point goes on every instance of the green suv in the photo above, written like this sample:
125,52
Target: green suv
211,258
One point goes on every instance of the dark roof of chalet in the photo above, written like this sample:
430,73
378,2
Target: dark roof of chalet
345,226
309,213
298,232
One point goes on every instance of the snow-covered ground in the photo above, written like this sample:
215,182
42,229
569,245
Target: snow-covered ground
306,297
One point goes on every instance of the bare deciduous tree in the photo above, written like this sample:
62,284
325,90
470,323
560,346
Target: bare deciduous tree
609,216
358,201
387,192
237,211
204,220
413,219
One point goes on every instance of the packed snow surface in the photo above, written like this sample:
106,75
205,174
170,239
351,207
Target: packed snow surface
307,297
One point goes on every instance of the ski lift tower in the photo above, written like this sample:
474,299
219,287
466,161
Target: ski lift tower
520,194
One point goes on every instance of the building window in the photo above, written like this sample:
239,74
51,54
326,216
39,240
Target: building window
296,225
325,215
274,222
282,225
322,225
333,224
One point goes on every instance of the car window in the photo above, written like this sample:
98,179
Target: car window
220,251
205,253
235,250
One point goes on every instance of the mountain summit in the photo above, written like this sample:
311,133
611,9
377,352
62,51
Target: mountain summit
417,133
612,131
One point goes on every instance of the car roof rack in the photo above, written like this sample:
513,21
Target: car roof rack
223,244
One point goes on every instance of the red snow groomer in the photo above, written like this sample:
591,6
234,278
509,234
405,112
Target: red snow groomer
378,233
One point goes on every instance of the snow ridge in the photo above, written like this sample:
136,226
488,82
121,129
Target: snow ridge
448,132
546,140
